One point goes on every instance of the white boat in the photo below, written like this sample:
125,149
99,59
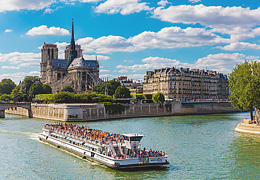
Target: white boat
113,150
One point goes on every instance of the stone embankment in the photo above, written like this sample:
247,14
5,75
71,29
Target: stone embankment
92,112
246,127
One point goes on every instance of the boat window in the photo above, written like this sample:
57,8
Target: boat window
135,138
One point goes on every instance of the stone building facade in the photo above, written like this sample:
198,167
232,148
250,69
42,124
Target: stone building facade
186,84
72,71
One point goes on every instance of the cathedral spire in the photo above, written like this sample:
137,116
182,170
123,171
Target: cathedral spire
72,52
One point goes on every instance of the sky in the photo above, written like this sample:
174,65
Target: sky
130,37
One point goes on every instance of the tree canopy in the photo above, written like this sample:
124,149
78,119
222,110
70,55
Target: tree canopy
27,82
111,87
6,86
122,92
67,89
158,97
244,84
39,88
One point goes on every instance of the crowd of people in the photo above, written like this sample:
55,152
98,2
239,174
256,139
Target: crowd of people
102,137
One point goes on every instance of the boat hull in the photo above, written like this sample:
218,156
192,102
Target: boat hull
123,164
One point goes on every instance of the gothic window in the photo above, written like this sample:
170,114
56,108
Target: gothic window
83,87
64,74
58,76
84,76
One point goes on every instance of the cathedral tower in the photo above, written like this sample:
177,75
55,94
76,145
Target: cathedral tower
49,52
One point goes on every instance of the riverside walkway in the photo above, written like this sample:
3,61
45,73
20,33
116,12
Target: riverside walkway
4,106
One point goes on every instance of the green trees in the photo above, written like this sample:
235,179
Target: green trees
6,86
39,88
27,82
111,87
67,89
122,92
158,97
244,84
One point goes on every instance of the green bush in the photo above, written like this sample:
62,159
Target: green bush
64,97
44,97
122,101
114,108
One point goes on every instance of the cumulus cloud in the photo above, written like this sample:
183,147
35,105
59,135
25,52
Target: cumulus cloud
8,30
44,30
235,21
194,1
19,76
240,46
122,6
106,76
220,62
21,59
166,38
16,5
163,3
93,57
10,67
104,71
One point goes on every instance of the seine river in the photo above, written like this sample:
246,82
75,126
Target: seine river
198,147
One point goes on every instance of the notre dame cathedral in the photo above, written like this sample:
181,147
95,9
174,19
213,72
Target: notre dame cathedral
72,71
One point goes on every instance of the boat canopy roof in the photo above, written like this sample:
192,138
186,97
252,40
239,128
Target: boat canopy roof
133,135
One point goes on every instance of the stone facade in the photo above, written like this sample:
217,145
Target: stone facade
72,71
186,84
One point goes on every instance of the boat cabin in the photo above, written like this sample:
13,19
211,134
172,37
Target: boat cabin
131,143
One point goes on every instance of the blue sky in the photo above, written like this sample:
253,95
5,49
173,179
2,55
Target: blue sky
130,37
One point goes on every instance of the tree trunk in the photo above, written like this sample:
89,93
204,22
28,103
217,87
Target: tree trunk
251,113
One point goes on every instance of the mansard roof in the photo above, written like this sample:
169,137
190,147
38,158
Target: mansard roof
59,63
81,62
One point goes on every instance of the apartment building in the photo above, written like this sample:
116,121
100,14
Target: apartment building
186,84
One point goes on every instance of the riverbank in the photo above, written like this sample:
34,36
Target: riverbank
97,112
246,127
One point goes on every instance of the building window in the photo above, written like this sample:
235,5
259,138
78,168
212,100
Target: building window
58,76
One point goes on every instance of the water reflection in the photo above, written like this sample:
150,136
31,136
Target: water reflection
245,156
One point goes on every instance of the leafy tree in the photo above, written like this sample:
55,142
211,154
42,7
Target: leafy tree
244,84
6,86
5,97
46,89
111,87
64,97
122,92
36,88
67,89
17,96
158,97
27,82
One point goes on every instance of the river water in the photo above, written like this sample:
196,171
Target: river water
198,147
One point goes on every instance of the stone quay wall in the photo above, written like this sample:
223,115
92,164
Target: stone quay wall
92,112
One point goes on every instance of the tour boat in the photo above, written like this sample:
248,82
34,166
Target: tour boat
110,149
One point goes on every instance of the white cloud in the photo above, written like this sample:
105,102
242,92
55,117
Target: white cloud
235,21
104,71
240,46
123,71
128,61
122,6
151,63
106,76
194,1
8,30
19,76
166,38
163,3
136,76
93,57
21,59
16,5
10,67
220,62
44,30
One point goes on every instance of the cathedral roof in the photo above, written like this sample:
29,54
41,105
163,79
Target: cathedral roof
80,62
59,63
